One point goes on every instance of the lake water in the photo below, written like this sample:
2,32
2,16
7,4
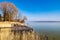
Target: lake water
52,29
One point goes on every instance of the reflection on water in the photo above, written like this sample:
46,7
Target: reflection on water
51,29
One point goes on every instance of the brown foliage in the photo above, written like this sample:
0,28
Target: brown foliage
9,10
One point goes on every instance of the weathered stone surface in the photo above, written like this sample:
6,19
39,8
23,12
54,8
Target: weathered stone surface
10,24
16,33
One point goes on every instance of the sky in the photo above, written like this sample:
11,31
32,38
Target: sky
38,10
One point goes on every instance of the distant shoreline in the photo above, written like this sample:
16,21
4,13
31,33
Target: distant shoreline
44,21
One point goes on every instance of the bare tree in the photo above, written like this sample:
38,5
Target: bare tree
9,11
23,20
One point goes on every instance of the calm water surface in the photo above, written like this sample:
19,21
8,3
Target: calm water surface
52,29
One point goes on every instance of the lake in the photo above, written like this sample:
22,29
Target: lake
52,29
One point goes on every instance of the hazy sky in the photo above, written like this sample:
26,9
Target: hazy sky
38,10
